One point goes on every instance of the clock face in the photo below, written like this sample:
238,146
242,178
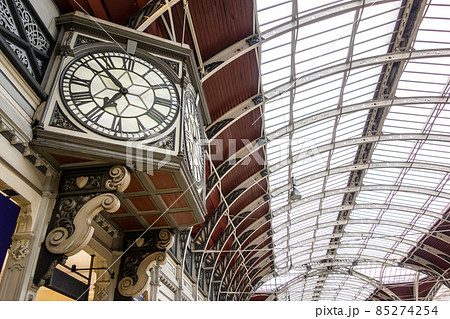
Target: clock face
119,95
193,137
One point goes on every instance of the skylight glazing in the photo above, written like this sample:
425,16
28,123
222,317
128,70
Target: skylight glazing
357,117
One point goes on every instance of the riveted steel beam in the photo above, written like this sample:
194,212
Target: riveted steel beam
204,234
242,156
368,105
149,13
228,55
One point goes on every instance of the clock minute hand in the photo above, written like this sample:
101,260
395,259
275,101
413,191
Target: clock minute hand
111,77
114,79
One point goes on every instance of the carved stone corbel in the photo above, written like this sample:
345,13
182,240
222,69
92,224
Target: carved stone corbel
60,241
142,254
127,287
71,236
165,239
120,178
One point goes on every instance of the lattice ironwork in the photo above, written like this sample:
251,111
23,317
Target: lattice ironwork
25,39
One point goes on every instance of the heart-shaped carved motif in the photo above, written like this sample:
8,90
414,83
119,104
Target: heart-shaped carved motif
139,242
81,181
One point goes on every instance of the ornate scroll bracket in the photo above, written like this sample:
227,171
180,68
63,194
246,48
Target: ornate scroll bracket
127,287
60,241
120,178
72,236
165,239
140,258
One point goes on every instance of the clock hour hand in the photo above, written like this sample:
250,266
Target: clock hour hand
107,102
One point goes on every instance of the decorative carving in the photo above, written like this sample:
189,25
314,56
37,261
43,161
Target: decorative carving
86,182
19,249
106,225
174,66
167,142
142,251
81,39
152,240
22,234
61,121
132,287
120,178
68,208
101,291
81,181
166,239
72,227
146,242
71,237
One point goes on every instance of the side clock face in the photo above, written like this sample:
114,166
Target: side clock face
119,95
193,137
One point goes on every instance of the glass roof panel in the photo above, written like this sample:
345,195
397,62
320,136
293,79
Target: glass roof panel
373,176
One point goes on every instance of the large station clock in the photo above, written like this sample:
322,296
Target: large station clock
119,95
193,135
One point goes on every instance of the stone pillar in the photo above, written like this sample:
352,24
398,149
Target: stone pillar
17,278
154,282
14,282
102,282
101,291
115,262
179,276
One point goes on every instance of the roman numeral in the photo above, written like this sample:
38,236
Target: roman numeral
140,125
149,71
95,114
116,124
87,66
156,115
163,102
108,62
161,86
80,98
128,63
79,81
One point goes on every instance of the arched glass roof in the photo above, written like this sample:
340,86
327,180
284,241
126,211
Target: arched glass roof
356,117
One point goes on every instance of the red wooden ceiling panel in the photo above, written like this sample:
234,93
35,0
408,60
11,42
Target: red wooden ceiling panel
219,23
232,85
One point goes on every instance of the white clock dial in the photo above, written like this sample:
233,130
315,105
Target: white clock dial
119,95
193,136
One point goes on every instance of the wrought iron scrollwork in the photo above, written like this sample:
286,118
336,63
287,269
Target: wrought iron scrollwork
21,24
146,11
